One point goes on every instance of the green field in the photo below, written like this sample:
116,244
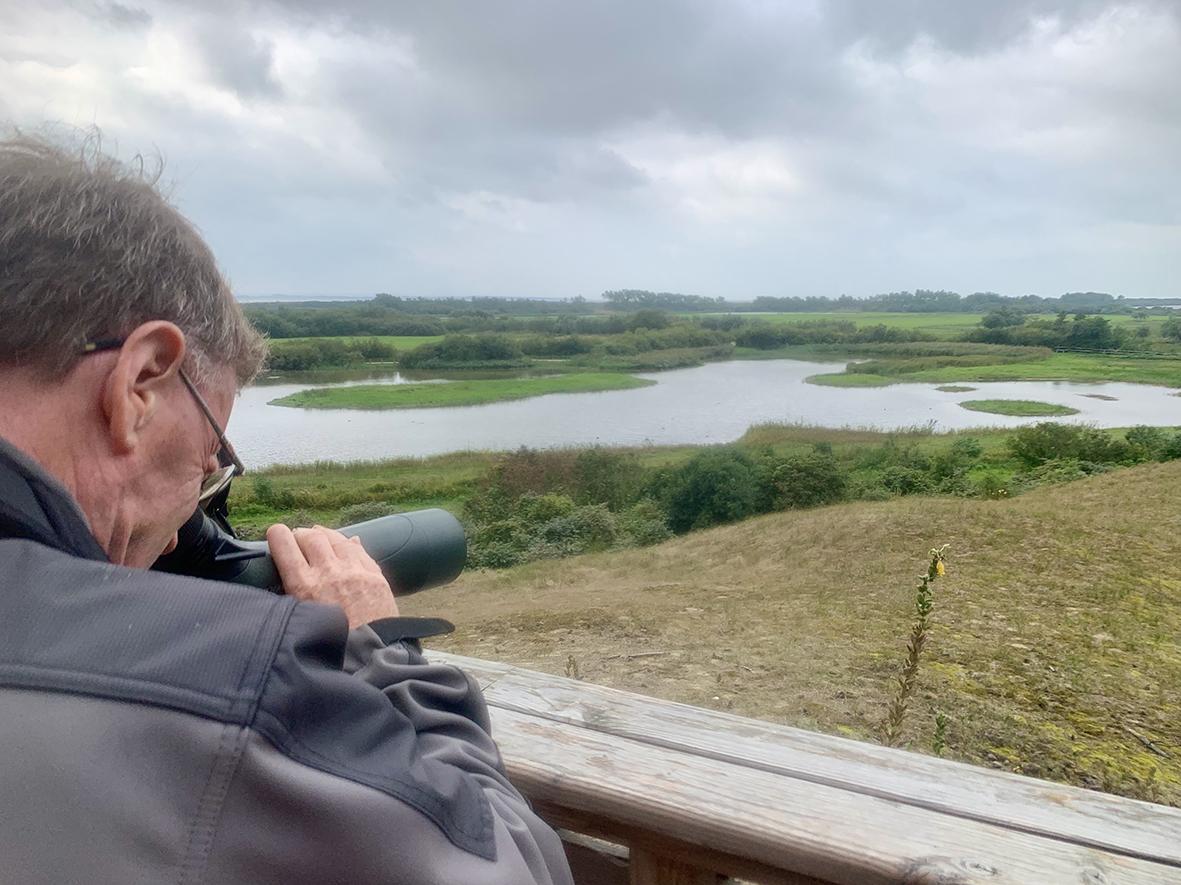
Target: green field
945,325
1025,408
455,393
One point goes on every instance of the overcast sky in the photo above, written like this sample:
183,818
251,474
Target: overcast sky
715,147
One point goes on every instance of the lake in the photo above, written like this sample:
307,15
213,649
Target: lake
715,403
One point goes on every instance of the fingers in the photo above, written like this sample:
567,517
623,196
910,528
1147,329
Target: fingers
322,565
285,550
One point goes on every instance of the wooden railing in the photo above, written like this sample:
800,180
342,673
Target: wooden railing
650,792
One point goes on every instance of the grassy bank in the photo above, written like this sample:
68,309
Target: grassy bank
1084,367
1024,408
1066,367
860,379
1054,649
454,393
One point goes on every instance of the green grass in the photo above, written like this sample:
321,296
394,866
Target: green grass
1067,367
454,393
1018,407
1165,371
954,388
840,379
945,325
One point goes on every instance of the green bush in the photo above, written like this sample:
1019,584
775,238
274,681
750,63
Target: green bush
1153,444
464,350
1058,470
1047,441
586,528
715,486
905,480
990,485
807,481
607,477
642,525
537,509
352,514
265,494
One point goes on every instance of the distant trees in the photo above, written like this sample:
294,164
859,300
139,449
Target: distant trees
1083,332
458,351
635,299
1002,317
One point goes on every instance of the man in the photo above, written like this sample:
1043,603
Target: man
156,728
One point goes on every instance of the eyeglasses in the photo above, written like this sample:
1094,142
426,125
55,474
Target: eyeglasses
231,465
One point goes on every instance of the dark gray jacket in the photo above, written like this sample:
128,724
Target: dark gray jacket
156,728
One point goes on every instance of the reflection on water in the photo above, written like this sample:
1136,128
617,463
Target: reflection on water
714,403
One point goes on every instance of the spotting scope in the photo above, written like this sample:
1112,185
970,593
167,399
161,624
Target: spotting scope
418,550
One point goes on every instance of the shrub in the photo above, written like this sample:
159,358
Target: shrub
536,509
1047,441
585,528
265,494
464,350
531,470
374,349
905,480
807,481
355,513
606,477
989,485
641,526
1147,442
299,519
714,486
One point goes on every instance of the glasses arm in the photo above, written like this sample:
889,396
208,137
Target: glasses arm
239,467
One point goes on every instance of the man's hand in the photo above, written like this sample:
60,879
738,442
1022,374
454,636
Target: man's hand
320,565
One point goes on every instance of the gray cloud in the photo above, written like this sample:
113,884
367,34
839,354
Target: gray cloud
239,61
962,27
740,148
120,16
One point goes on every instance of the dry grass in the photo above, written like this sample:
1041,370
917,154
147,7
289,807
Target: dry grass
1054,634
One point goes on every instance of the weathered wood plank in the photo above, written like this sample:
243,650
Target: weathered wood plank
1069,814
787,823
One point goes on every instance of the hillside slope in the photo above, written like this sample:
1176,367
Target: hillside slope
1055,648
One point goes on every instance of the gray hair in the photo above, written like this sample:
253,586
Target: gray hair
90,249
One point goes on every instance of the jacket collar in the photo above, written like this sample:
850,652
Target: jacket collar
35,506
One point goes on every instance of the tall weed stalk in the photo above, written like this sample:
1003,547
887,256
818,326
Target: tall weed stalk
923,604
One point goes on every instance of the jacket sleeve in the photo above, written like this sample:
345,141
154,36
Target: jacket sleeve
452,727
366,763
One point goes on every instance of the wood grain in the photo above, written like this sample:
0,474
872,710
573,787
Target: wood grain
753,797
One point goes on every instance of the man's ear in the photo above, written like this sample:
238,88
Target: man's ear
147,363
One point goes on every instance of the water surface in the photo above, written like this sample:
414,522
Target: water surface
714,403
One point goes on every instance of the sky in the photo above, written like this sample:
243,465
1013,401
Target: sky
731,148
